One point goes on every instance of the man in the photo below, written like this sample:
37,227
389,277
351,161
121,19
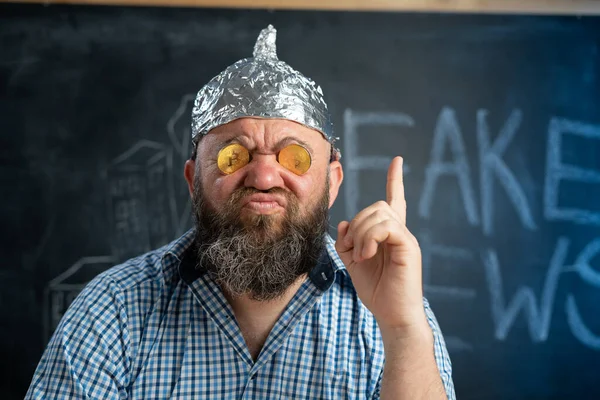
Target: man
257,301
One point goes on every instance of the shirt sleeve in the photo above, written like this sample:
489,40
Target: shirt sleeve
442,358
86,357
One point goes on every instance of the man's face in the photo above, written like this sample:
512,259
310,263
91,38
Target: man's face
261,226
263,138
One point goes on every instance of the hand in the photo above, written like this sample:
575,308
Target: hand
384,259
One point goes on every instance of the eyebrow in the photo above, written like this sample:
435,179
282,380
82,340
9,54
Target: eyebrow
279,145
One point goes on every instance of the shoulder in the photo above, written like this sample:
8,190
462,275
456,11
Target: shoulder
132,273
157,266
132,283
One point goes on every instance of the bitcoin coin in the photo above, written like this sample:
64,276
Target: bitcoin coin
295,158
232,157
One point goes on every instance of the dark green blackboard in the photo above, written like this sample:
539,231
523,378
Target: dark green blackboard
498,118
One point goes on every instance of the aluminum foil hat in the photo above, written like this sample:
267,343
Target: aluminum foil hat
262,87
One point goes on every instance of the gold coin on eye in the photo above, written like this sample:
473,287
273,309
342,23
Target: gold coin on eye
295,158
232,157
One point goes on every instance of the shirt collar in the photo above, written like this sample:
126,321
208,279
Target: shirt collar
174,253
184,251
338,264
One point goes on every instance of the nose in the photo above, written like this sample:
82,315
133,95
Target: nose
263,173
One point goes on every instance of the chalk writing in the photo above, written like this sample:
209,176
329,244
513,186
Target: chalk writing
582,264
538,318
556,171
455,344
589,275
447,133
448,138
353,120
491,163
430,250
578,327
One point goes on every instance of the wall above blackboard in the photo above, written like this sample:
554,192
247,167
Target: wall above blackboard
565,7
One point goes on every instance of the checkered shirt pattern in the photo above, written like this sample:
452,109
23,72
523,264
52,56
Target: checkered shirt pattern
153,329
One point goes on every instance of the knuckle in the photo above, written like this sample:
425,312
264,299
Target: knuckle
381,204
380,215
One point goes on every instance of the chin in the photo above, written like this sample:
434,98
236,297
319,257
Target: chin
264,224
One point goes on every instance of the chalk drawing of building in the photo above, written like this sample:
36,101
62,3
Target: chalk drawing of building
60,292
141,202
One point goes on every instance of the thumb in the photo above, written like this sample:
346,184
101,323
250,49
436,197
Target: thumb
344,249
340,243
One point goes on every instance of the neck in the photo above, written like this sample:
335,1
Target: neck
257,318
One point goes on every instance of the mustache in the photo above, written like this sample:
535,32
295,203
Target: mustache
227,217
242,192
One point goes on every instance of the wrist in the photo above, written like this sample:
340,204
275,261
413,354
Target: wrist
417,331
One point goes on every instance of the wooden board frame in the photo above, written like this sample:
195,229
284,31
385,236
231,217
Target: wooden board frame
565,7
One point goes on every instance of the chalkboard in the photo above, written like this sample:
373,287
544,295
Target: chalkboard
498,118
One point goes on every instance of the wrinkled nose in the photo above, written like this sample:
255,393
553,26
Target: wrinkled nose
264,173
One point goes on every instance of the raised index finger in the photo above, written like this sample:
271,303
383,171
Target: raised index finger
395,188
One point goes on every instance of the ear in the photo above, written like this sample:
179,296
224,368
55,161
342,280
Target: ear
189,171
336,176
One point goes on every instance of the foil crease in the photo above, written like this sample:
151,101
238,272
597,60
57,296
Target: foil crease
264,87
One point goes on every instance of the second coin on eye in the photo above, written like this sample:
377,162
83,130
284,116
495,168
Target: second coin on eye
295,158
232,157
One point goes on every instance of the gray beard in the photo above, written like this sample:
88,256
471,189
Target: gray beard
262,256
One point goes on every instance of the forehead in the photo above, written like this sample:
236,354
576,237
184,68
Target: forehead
265,132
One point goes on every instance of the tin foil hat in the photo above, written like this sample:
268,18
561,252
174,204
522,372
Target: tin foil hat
263,87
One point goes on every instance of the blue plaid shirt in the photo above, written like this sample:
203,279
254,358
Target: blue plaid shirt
157,328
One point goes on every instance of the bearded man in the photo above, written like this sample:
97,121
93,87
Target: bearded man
258,301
